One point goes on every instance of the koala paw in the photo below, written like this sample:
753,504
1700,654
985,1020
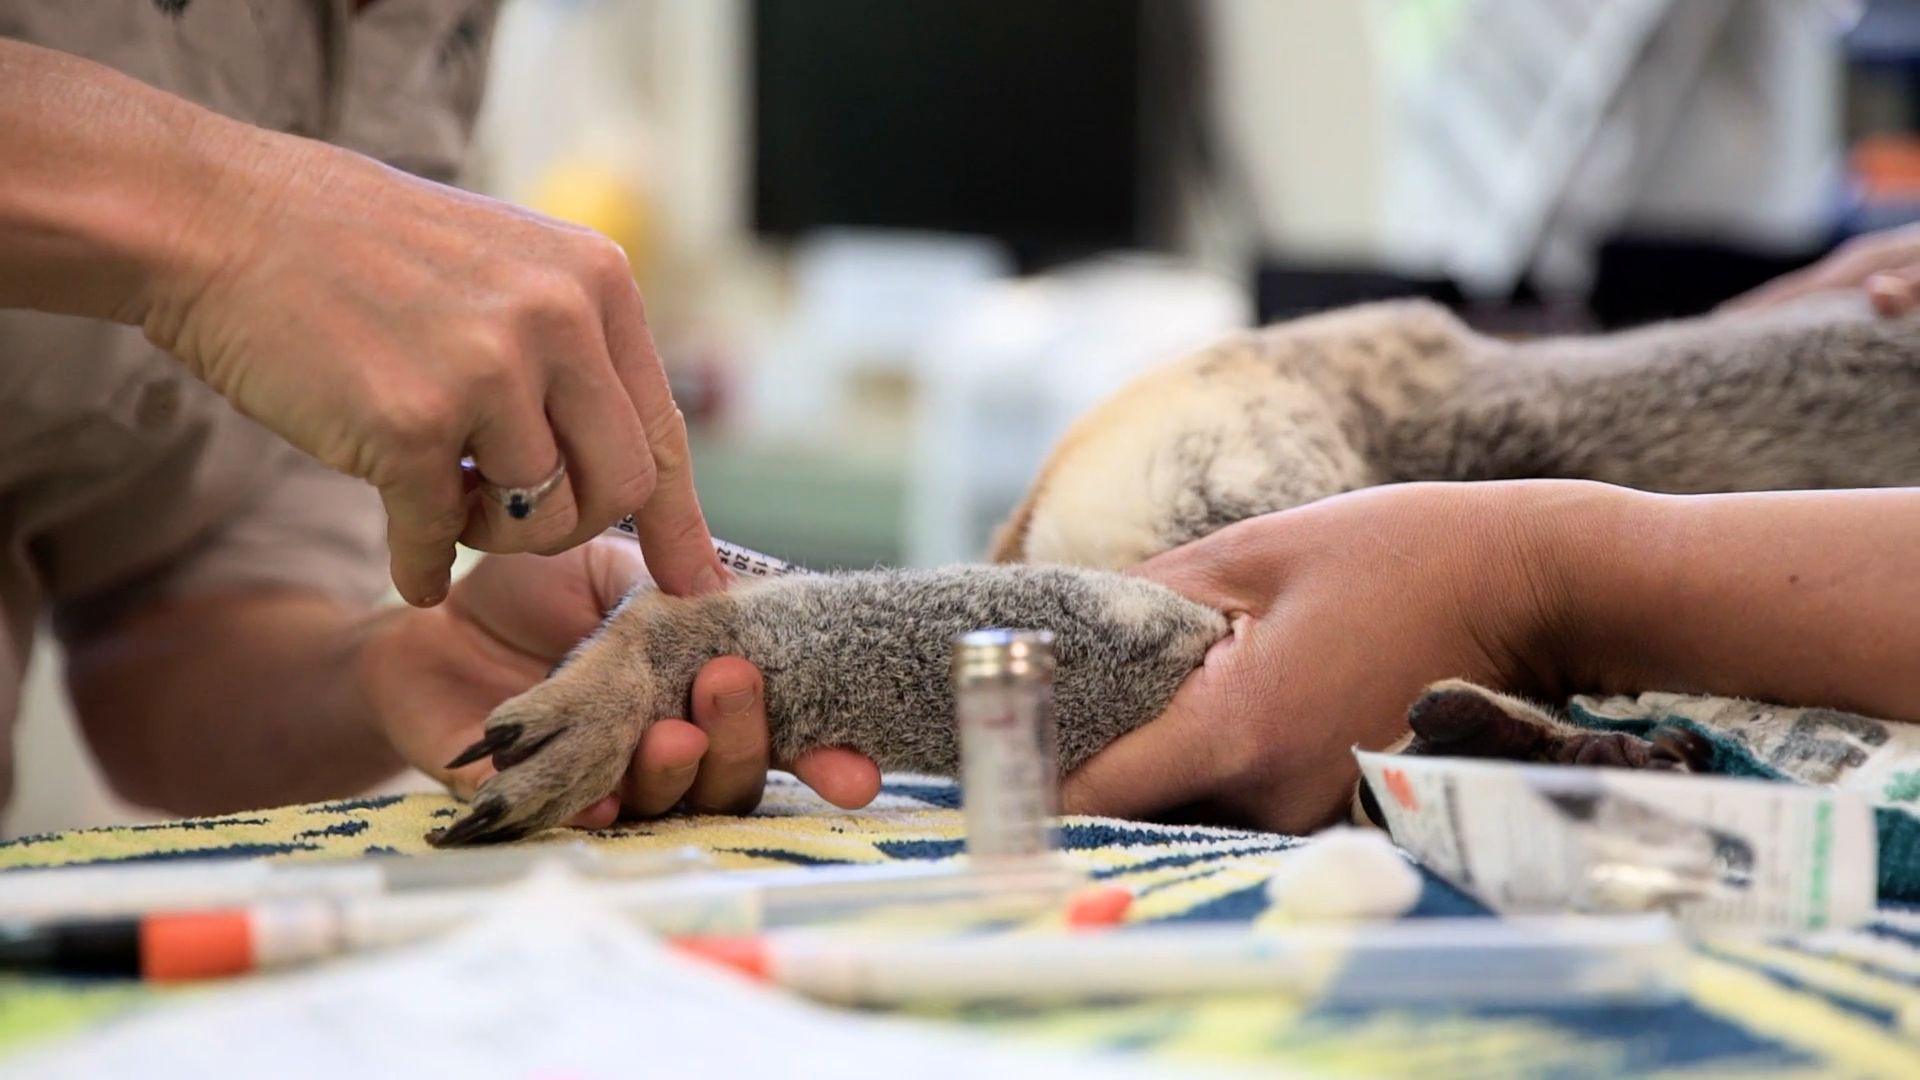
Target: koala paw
1458,719
559,748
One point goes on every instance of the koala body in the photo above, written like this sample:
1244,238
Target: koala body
1818,395
1815,395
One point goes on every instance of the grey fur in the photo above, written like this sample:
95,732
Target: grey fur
1821,394
856,660
1800,399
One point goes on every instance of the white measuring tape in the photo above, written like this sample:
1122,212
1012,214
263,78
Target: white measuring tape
738,559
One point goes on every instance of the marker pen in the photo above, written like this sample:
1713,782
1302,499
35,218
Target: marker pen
1560,960
179,945
188,884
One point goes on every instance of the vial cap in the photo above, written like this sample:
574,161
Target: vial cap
1001,652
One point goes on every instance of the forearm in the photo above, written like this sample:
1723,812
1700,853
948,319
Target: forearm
104,182
1807,598
228,702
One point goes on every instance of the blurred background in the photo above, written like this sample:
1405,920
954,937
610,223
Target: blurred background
890,249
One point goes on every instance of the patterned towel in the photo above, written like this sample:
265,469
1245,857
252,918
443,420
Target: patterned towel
1876,759
1840,1003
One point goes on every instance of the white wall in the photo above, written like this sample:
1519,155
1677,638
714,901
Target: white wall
56,785
1298,104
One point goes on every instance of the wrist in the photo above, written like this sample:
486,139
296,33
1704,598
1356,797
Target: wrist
228,177
1589,551
104,177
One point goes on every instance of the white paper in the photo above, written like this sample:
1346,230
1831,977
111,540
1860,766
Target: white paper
1485,826
550,987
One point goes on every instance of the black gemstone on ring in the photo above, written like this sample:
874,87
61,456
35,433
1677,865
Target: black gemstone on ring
518,506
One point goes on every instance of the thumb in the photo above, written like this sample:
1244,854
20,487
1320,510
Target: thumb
1780,290
615,568
1153,768
1234,569
1895,292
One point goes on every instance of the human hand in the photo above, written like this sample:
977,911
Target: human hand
1885,264
388,326
1343,610
433,676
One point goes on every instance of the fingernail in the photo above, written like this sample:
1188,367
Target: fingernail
735,702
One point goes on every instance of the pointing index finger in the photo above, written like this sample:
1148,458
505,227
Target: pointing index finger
670,527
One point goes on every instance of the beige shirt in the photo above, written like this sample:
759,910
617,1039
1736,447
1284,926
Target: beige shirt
121,477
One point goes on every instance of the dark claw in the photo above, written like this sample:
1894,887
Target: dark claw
476,827
1370,806
508,757
494,741
1688,749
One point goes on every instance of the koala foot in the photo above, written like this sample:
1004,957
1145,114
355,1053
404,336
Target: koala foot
1455,718
560,747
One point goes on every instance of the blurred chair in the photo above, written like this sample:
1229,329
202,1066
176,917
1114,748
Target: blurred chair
1530,131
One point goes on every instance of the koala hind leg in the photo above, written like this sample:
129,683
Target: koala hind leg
860,660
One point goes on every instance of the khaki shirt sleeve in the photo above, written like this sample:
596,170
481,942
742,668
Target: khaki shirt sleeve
309,529
312,528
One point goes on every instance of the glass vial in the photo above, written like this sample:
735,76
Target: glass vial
1009,769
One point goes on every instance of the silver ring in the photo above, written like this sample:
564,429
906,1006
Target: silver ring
521,501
